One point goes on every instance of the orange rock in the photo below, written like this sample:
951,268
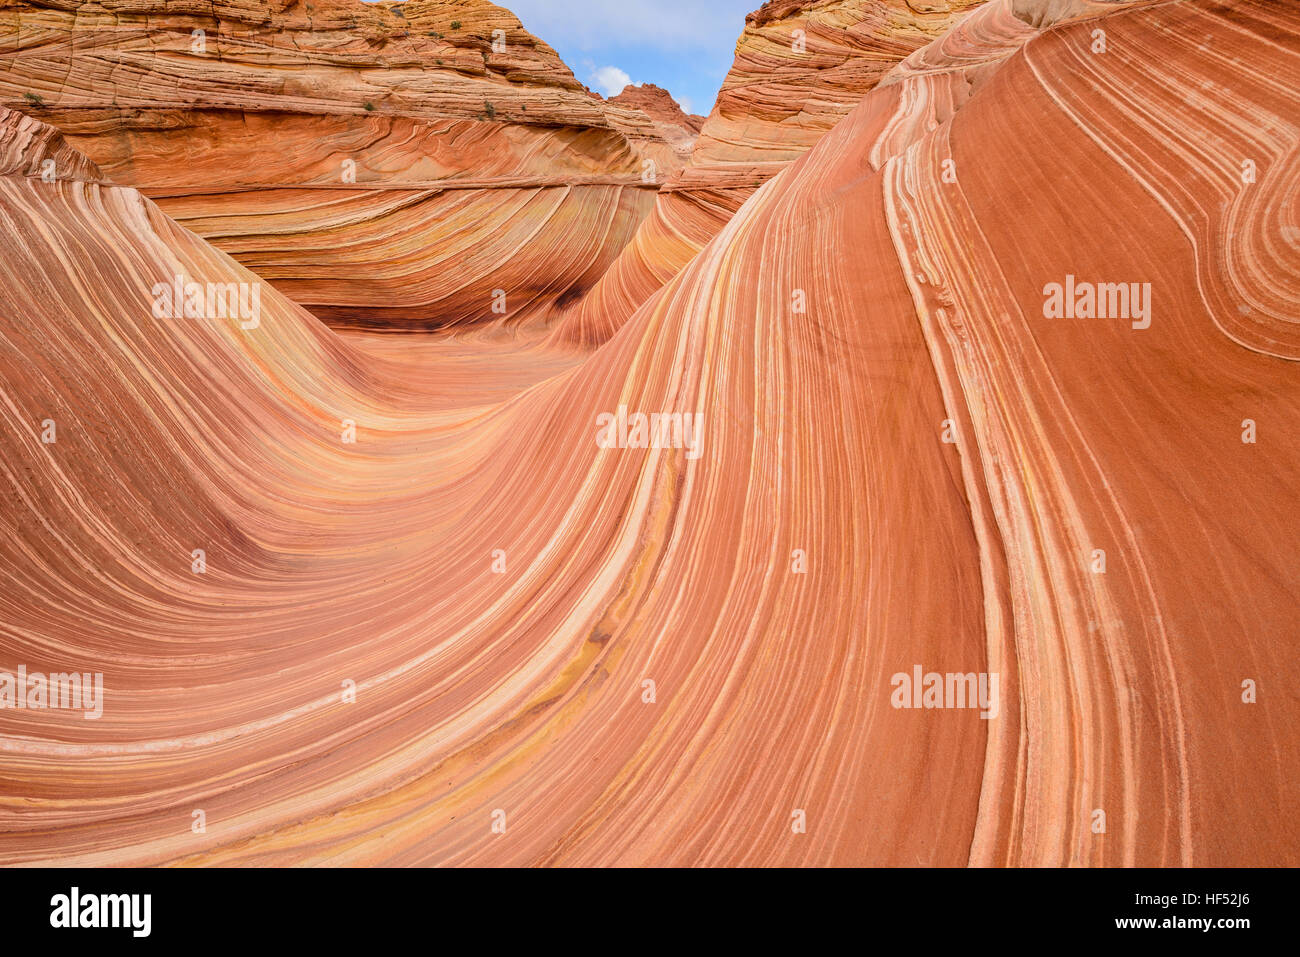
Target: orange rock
800,67
674,126
471,635
383,164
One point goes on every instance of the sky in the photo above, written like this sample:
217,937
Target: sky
685,46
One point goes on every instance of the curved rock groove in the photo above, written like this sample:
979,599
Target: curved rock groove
431,602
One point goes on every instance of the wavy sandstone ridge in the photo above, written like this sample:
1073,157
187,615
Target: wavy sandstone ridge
390,164
800,67
474,636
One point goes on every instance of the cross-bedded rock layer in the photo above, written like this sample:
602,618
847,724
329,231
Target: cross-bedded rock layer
800,67
385,165
472,635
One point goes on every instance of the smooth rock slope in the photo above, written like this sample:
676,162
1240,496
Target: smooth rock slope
467,633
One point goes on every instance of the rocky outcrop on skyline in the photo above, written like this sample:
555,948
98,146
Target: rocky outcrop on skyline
673,125
800,67
383,164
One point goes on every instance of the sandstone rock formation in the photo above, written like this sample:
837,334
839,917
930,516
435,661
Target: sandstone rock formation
31,148
673,125
800,67
383,164
473,615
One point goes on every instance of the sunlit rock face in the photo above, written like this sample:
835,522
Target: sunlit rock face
800,67
442,618
390,164
674,126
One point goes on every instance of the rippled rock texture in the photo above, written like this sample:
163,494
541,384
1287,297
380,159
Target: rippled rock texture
358,605
384,165
800,67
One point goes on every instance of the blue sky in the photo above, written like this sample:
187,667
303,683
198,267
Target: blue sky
685,46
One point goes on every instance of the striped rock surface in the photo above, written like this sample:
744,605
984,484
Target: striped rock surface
800,67
383,164
474,636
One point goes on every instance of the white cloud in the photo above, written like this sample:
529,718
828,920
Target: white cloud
685,103
609,80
